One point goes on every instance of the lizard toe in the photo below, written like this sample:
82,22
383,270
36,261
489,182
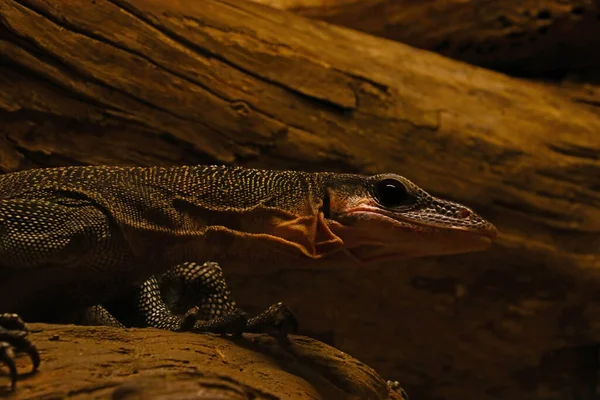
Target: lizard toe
190,318
278,319
7,357
13,338
234,323
12,322
395,386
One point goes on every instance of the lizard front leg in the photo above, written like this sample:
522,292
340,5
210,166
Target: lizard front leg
13,337
159,303
203,286
190,297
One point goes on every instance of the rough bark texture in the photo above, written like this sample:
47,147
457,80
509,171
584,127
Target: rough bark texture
522,37
163,82
101,362
583,87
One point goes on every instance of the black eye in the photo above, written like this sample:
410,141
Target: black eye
391,193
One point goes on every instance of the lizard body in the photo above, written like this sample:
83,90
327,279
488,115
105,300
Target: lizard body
76,237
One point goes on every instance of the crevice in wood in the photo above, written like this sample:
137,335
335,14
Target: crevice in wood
323,102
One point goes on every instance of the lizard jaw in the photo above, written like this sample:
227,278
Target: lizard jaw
373,237
402,221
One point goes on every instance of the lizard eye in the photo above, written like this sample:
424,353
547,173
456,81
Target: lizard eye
391,193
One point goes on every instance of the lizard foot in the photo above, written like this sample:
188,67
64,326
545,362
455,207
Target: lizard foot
13,337
234,323
395,386
195,297
277,320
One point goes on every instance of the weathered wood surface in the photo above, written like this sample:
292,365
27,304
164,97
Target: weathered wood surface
583,87
109,363
162,82
523,37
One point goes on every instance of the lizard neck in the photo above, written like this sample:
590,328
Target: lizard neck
268,216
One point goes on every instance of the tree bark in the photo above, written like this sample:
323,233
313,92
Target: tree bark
226,81
103,362
527,38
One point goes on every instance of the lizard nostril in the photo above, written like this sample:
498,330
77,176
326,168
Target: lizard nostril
464,214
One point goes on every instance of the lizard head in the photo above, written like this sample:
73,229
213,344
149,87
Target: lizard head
387,216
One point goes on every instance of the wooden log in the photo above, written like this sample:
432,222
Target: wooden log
109,363
227,81
521,37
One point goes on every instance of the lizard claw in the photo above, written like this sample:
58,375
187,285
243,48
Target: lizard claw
7,357
189,319
277,320
13,337
395,386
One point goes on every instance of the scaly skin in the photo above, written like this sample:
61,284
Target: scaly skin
76,237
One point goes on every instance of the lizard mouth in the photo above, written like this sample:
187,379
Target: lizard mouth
485,230
373,236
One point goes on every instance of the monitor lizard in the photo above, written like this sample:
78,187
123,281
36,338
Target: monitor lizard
73,238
